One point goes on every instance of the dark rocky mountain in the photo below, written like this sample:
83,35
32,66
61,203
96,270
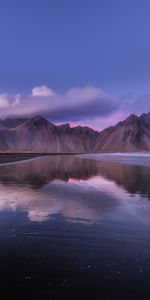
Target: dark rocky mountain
132,134
39,135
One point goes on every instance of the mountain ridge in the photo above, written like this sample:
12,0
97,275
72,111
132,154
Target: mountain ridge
37,134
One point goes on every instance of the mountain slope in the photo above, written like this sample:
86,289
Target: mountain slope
38,135
132,134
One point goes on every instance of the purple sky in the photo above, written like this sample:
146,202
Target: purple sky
77,61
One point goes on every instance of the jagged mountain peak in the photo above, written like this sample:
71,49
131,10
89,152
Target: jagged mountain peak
129,121
38,122
131,118
64,126
144,119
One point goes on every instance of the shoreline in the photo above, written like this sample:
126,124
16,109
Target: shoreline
130,158
6,158
126,158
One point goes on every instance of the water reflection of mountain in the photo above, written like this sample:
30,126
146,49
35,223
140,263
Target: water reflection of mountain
44,169
80,190
134,179
40,171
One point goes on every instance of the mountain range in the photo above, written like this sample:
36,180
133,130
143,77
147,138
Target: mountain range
39,135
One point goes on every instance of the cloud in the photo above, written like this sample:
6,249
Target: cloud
4,101
75,104
86,106
7,102
142,103
42,90
135,103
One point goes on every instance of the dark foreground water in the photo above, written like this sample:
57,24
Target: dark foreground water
74,228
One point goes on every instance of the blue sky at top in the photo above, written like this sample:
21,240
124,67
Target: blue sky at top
75,43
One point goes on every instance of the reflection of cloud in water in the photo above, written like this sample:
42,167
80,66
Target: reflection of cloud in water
76,201
73,201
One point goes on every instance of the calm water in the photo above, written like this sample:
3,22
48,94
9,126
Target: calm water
74,228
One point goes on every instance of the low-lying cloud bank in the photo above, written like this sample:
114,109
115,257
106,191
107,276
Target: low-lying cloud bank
75,104
88,106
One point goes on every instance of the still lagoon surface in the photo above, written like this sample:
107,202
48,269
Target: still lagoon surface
75,228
